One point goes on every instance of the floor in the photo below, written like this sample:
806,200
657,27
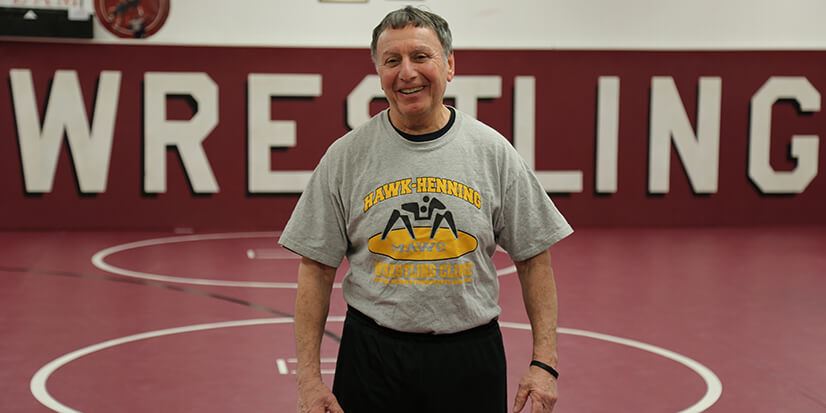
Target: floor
652,320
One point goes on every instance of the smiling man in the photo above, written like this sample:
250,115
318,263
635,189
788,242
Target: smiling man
417,200
414,69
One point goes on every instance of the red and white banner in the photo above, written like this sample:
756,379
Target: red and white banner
106,136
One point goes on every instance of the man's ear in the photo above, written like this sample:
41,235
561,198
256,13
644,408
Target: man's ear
451,67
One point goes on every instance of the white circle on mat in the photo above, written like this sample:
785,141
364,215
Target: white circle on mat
99,261
714,387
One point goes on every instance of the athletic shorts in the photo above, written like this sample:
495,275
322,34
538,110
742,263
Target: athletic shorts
384,370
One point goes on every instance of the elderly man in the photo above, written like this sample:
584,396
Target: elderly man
417,199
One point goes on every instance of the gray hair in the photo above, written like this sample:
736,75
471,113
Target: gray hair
401,18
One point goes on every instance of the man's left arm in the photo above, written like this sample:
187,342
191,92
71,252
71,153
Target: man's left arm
539,294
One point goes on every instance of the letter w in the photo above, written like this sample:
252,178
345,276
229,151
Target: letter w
391,189
65,112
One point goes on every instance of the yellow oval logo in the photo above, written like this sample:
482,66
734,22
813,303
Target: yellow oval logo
398,244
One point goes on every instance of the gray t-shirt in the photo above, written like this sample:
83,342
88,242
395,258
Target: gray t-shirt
419,222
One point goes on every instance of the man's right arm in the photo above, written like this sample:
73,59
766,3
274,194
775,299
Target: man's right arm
312,304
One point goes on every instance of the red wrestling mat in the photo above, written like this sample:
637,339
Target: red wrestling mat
654,320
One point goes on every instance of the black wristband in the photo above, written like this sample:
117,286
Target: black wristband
545,367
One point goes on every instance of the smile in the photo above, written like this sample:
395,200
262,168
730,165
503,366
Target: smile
411,91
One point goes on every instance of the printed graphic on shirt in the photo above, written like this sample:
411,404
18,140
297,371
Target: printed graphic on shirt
427,184
406,273
418,242
421,241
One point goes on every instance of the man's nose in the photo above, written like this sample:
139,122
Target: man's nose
407,70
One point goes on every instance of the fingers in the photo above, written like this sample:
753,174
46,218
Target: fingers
335,407
521,398
318,399
331,406
540,404
537,406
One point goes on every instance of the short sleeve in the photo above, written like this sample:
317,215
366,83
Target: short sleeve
528,222
317,228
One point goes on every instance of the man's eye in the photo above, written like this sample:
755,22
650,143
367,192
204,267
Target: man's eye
420,57
392,61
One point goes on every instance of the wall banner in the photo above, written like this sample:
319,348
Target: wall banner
113,136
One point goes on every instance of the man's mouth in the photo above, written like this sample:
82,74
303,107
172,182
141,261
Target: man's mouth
411,91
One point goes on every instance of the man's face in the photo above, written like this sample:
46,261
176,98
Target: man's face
414,73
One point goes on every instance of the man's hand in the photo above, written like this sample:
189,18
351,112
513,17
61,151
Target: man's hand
316,397
538,386
539,294
312,303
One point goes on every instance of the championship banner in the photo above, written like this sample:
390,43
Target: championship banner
112,136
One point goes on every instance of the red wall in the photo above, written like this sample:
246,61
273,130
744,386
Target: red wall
566,105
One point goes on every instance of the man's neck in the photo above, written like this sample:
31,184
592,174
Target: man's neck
427,123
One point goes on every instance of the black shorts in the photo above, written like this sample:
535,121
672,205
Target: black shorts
383,370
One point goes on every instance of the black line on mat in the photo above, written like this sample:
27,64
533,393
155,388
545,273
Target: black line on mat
165,286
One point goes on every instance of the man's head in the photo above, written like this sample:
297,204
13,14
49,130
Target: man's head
414,59
411,16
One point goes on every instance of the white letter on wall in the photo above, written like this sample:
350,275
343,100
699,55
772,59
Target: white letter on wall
700,153
524,138
607,133
467,90
91,149
186,135
804,148
265,134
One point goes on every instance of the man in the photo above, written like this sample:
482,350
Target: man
417,200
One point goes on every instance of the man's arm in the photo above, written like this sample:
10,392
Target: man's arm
539,294
312,304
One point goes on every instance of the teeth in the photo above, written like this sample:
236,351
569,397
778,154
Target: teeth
414,90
